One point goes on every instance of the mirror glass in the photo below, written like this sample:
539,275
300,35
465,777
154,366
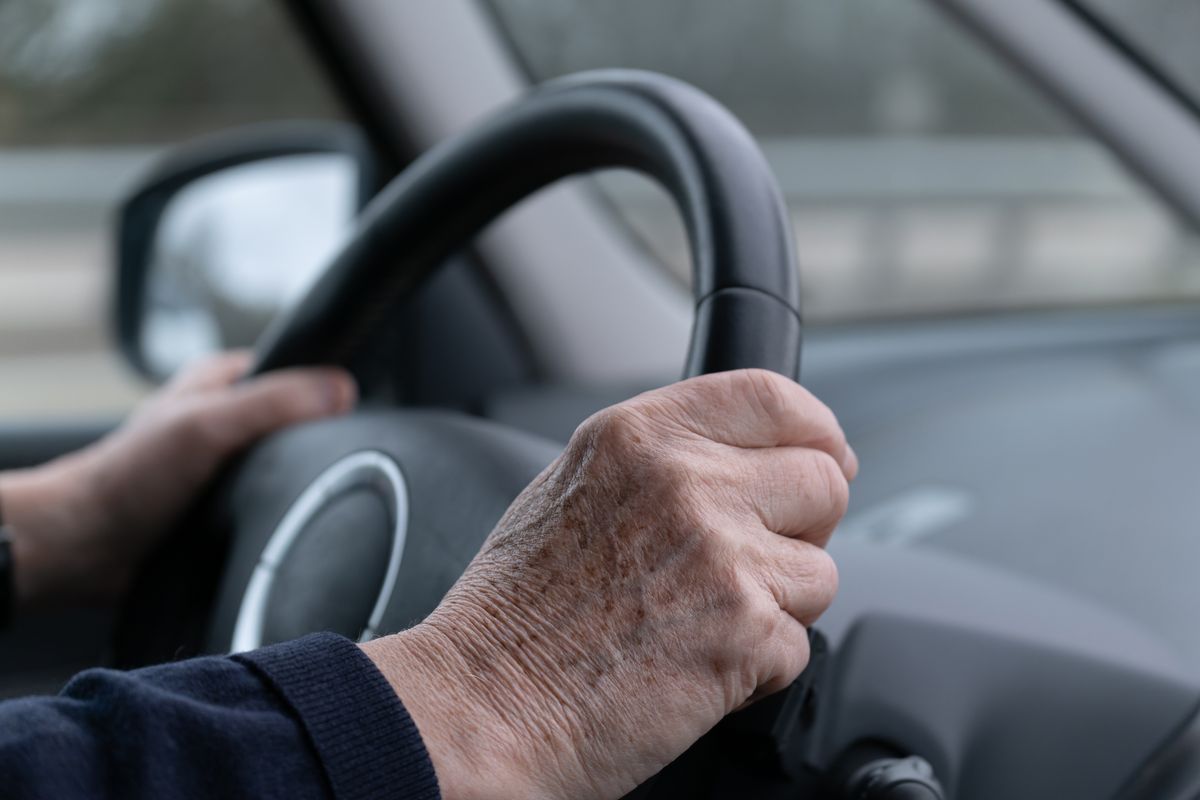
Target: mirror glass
235,248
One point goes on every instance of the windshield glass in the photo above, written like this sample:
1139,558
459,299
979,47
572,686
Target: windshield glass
92,94
922,174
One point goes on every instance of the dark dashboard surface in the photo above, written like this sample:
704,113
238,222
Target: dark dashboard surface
1061,445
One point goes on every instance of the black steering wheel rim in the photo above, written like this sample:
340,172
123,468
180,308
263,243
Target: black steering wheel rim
746,292
746,286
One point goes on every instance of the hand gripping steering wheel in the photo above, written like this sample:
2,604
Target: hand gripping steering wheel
361,524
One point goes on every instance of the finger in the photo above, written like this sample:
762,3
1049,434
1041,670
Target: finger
213,372
243,413
851,468
753,408
802,577
796,491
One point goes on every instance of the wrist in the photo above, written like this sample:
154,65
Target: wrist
43,508
477,718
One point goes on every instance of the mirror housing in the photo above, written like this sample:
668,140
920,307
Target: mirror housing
226,230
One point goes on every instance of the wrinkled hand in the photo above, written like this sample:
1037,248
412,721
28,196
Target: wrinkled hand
83,523
660,574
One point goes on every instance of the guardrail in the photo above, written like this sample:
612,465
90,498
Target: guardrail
882,227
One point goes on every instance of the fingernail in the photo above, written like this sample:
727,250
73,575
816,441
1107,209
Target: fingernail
851,465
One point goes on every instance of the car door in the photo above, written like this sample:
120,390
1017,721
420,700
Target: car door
90,95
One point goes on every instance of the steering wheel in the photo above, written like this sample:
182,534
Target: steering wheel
361,524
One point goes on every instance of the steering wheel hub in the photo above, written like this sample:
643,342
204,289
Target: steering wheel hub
355,514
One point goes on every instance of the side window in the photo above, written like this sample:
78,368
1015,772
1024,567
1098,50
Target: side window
90,94
923,175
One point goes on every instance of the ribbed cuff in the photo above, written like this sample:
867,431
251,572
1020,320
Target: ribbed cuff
366,740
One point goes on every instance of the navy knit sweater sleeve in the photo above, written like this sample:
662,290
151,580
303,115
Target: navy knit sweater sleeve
311,718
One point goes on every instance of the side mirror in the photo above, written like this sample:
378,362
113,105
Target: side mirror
227,231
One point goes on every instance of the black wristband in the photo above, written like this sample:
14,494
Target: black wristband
7,599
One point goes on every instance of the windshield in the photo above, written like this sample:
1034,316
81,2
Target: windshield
922,174
91,95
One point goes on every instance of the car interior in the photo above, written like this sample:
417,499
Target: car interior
522,212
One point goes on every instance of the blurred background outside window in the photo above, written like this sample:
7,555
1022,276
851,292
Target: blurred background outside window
923,175
90,93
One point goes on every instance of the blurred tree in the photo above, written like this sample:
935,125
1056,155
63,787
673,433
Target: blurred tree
126,71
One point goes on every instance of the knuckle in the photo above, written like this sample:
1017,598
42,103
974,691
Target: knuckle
198,429
831,489
623,438
191,425
615,429
589,429
823,577
829,438
777,395
770,390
